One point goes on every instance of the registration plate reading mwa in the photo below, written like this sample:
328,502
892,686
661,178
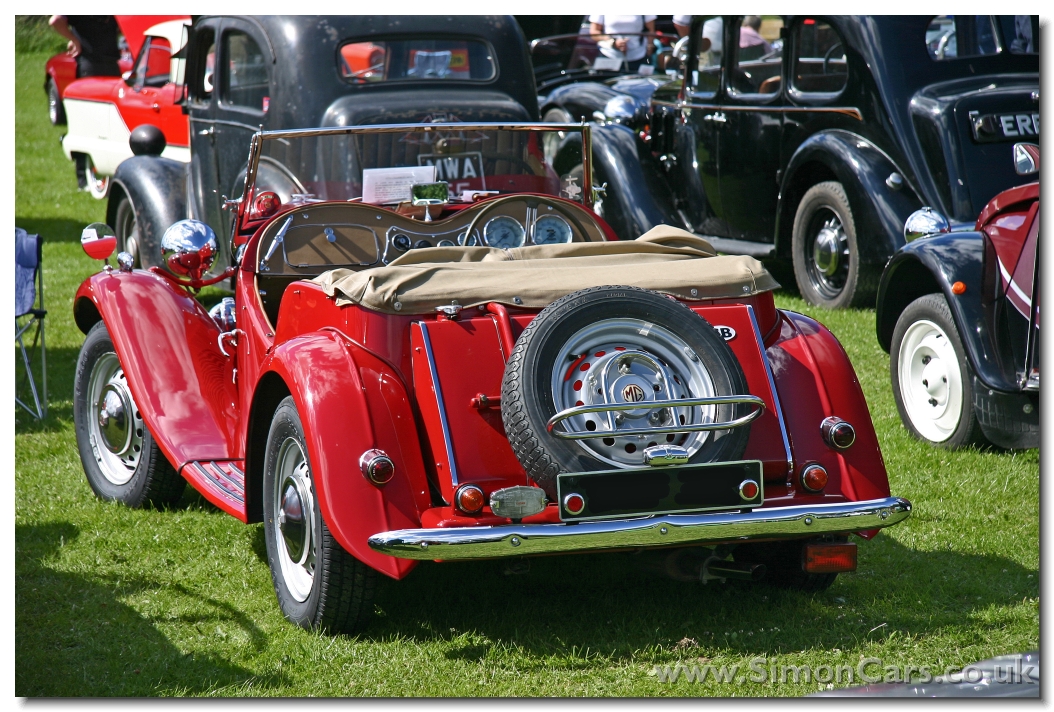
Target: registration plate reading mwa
1015,126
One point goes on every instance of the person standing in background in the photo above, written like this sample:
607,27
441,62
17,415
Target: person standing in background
632,50
92,41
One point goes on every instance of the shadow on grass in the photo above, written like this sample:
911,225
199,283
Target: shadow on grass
73,622
610,605
52,229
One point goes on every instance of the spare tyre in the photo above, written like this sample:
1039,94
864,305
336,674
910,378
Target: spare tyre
608,345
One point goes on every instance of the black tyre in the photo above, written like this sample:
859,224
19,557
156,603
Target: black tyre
931,377
556,115
826,254
56,111
120,457
783,562
126,228
319,585
617,345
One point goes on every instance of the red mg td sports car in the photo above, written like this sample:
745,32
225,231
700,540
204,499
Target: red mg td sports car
408,372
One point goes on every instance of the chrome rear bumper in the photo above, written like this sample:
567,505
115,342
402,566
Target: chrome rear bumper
665,530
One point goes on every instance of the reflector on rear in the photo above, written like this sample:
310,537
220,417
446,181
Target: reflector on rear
829,558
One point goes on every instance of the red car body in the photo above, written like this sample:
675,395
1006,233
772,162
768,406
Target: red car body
401,379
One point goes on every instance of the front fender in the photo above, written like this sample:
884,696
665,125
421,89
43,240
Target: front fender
157,188
349,402
629,206
934,264
166,343
580,99
862,168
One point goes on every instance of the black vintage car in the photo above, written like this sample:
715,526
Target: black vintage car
812,139
958,312
244,74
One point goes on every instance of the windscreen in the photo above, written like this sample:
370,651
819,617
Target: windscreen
594,54
378,165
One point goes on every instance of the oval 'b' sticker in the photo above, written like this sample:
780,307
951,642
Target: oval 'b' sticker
727,332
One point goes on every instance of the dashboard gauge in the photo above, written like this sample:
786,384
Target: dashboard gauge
420,244
466,240
504,233
445,243
551,230
401,242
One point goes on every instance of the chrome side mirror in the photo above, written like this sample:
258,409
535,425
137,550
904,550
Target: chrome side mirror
1026,158
925,222
188,248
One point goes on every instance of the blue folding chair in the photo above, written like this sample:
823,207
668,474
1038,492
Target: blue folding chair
30,312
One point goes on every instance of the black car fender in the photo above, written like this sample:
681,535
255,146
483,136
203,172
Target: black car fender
580,100
879,210
157,188
628,206
932,265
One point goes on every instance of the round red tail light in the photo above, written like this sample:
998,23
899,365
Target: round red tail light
469,499
574,503
377,467
748,490
814,477
266,204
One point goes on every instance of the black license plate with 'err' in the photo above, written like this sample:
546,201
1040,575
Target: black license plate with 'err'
611,494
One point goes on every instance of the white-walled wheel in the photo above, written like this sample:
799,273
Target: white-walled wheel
120,457
98,185
56,111
319,585
932,379
609,346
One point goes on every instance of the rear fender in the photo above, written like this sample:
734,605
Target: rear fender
166,343
157,188
862,168
815,379
351,401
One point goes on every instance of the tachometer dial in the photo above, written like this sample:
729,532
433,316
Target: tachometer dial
551,230
504,233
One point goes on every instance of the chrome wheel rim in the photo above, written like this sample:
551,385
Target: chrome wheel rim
53,104
115,426
97,186
129,232
931,384
626,361
827,254
294,518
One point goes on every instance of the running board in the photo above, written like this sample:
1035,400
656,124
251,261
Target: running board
728,246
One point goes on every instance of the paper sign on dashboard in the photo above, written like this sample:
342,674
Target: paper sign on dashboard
392,185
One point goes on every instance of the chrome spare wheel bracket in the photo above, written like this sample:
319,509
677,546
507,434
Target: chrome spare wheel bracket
656,405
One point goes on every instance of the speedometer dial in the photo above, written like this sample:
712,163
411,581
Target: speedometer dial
551,230
504,233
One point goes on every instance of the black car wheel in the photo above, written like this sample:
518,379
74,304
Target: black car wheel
826,255
931,377
120,457
126,228
616,345
319,585
56,111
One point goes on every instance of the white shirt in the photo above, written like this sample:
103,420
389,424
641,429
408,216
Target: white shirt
616,24
711,29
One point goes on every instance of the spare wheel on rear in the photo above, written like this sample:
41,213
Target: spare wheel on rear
607,345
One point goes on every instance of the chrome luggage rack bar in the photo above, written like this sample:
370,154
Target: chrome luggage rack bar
655,405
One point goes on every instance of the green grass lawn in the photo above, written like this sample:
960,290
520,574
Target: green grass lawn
111,601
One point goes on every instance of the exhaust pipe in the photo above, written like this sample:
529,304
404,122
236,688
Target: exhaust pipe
733,570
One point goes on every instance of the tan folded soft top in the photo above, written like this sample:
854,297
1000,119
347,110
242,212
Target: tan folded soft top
665,259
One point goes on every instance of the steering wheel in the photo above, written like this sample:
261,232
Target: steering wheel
827,56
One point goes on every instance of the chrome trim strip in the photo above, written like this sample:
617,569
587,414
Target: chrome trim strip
439,400
848,110
654,405
772,387
669,530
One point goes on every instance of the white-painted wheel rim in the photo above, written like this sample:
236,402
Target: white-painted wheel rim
931,385
597,364
98,186
291,468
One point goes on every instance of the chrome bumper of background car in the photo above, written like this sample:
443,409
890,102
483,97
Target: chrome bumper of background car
665,530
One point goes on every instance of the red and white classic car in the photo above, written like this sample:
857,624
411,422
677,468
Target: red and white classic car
102,112
415,370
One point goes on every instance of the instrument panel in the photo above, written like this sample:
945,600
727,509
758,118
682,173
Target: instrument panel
314,238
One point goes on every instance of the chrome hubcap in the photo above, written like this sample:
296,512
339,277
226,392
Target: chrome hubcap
619,361
294,513
116,430
930,381
830,256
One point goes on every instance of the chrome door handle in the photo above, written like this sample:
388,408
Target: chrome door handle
718,117
207,132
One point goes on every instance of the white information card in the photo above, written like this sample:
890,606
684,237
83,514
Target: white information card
392,185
